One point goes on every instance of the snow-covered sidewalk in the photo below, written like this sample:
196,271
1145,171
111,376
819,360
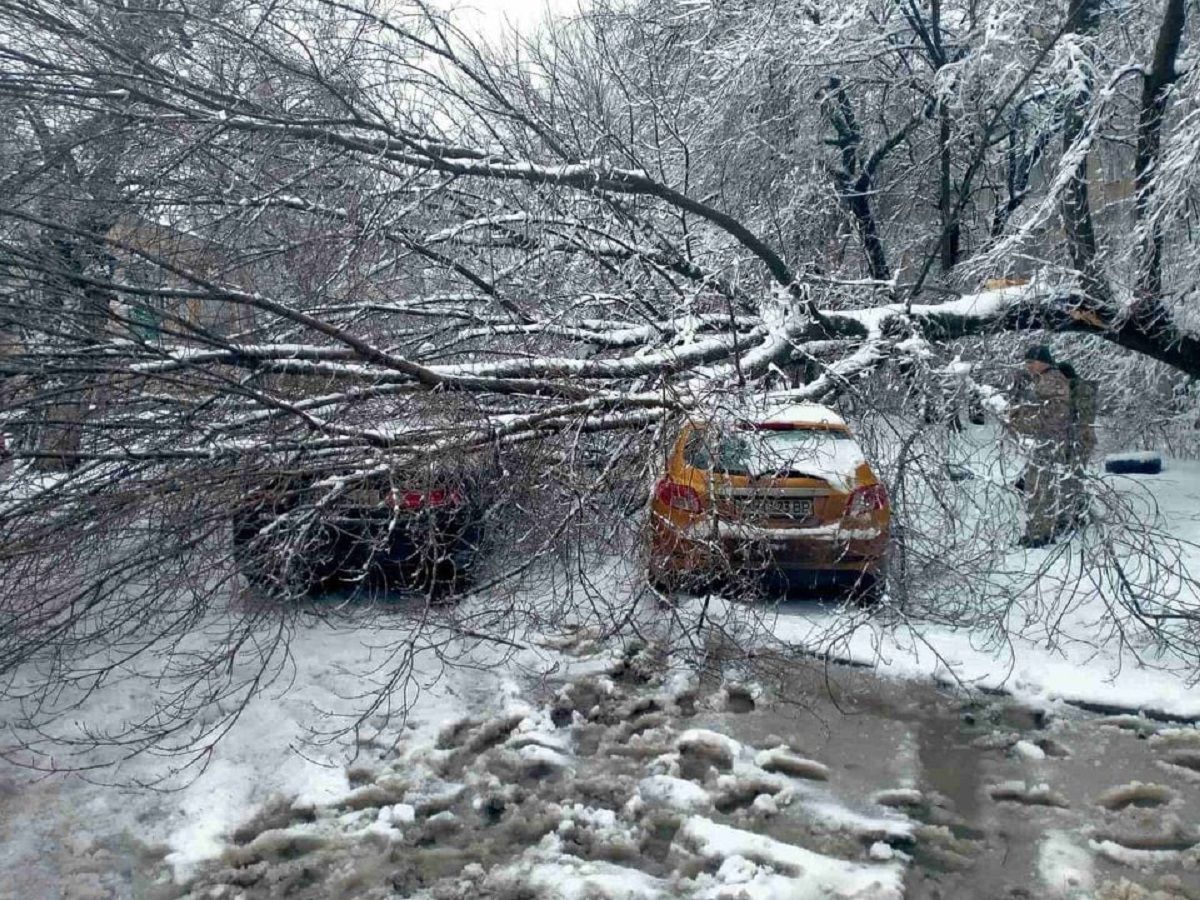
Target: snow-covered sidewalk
1068,637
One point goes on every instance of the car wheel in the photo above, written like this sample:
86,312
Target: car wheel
666,584
443,580
261,570
867,592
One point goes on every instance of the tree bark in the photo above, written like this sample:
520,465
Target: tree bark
1076,205
951,229
1156,86
855,183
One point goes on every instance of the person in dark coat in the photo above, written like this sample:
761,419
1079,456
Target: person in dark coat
1081,445
1041,414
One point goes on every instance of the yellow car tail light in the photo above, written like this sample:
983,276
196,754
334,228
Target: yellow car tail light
678,496
866,500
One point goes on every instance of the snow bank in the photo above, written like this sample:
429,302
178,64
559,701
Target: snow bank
550,876
1034,668
810,876
663,791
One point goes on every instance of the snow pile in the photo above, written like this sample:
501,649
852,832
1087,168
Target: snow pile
785,762
1065,868
1029,750
664,791
1031,795
1136,793
899,797
1139,858
710,746
547,873
829,815
809,875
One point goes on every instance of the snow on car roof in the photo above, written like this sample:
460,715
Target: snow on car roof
776,407
802,414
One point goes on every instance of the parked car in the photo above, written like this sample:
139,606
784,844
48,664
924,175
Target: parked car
298,533
784,492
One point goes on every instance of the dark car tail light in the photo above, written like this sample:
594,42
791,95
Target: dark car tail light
678,496
866,500
437,498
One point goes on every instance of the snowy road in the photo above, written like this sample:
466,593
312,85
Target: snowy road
844,786
953,799
626,784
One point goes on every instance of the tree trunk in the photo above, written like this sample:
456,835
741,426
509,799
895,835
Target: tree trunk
854,183
1155,92
1076,205
951,230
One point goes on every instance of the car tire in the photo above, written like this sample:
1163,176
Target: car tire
868,592
260,570
444,580
666,584
456,579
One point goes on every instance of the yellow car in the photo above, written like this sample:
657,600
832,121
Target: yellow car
785,492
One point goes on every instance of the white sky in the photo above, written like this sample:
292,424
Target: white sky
488,16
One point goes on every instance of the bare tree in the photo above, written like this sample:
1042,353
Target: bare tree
332,239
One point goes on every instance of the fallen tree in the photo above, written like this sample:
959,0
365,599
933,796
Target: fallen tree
236,236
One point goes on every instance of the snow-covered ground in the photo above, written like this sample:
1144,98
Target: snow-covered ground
602,793
639,782
273,750
1041,624
1048,632
474,742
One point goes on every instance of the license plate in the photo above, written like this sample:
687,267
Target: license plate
783,507
364,497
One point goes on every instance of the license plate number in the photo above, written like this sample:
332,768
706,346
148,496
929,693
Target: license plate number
784,507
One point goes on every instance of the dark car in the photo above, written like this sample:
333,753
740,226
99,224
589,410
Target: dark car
297,533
